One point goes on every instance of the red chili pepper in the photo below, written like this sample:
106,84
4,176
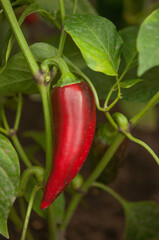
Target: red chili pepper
74,116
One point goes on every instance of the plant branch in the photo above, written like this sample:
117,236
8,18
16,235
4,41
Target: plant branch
20,150
111,120
45,95
74,7
63,33
34,170
30,205
52,223
108,108
4,131
154,100
13,216
79,72
143,144
15,139
19,112
111,191
4,119
109,94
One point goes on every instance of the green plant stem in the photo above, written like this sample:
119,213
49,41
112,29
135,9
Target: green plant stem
117,98
22,207
109,94
6,5
111,191
116,84
19,111
127,67
34,170
20,150
62,11
15,140
74,7
52,223
95,174
103,162
30,205
111,120
63,33
4,119
4,131
15,219
62,42
79,72
154,100
143,144
45,95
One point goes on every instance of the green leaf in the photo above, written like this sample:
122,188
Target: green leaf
147,43
144,91
142,221
37,136
9,181
17,77
129,83
129,51
83,6
98,41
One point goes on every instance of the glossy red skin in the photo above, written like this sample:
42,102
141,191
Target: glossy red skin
74,116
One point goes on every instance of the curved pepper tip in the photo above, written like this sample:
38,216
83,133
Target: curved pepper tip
44,205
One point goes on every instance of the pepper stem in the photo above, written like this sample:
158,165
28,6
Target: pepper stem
67,77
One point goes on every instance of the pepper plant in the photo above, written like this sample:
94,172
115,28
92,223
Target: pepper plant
105,64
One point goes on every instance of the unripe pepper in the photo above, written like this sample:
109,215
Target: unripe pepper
74,117
104,136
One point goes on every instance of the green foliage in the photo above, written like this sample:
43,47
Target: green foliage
95,47
145,90
97,40
129,83
142,221
129,51
9,181
50,7
17,77
147,43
